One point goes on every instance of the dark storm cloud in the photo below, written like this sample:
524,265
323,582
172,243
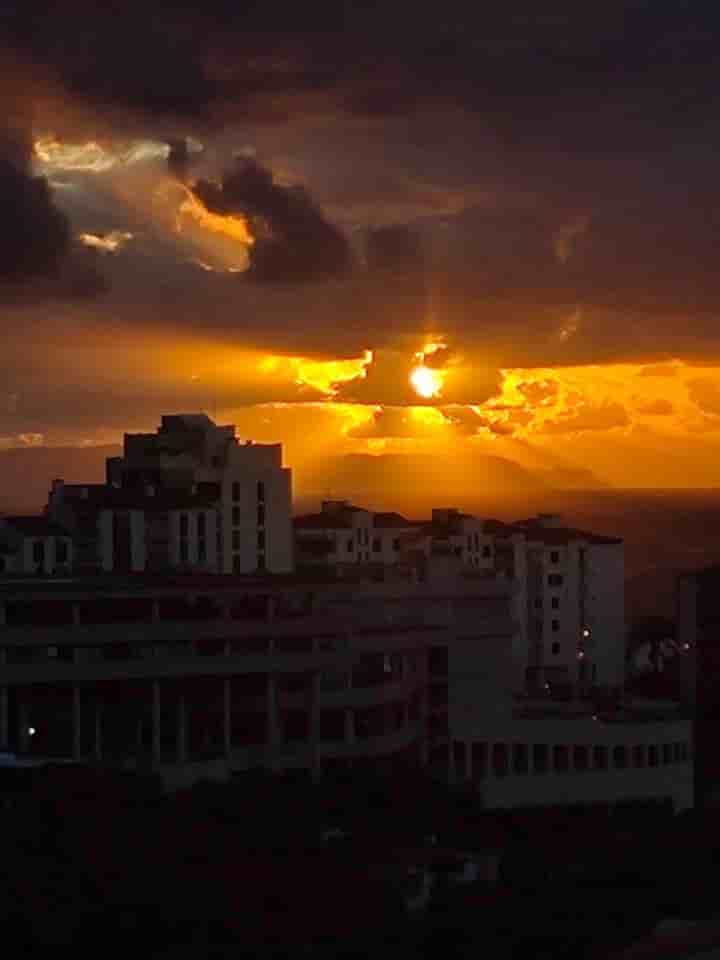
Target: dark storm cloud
34,234
294,243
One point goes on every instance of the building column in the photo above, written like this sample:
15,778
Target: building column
315,725
349,725
181,730
227,717
98,730
23,734
77,731
4,714
272,726
156,721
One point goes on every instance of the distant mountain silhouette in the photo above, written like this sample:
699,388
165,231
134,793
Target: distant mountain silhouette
412,478
26,473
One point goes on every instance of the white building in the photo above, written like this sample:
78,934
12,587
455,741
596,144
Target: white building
576,605
188,497
34,545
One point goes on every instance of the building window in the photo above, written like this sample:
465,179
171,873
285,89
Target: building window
236,563
555,580
538,603
619,758
554,556
236,539
261,515
486,551
561,760
580,758
555,649
653,758
540,758
594,672
667,753
396,544
236,516
600,758
38,551
350,546
236,490
460,759
469,542
639,755
261,540
500,759
520,758
201,525
202,552
184,559
376,545
183,524
260,491
555,603
261,561
479,761
555,625
61,551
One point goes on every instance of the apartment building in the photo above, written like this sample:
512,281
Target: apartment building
188,497
34,546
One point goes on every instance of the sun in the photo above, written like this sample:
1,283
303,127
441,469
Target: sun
426,382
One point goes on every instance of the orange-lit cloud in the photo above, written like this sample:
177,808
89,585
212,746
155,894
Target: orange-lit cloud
53,154
108,242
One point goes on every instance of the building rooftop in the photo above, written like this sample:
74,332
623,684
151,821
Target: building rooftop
391,520
534,529
322,521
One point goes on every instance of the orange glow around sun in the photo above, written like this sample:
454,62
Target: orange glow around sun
425,382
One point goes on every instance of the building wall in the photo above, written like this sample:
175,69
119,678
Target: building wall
605,611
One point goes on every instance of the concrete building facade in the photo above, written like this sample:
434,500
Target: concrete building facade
188,497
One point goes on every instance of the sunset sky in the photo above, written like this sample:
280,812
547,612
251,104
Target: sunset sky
368,228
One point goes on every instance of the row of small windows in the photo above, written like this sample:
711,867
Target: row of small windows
473,544
500,759
376,544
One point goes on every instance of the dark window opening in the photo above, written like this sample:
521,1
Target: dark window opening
236,539
540,758
555,626
555,649
554,556
61,551
236,490
580,758
261,540
520,758
555,580
261,491
555,603
236,516
561,759
261,515
486,551
600,758
376,545
396,544
619,758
